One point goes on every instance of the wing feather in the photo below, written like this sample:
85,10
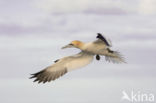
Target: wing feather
115,57
62,66
47,75
101,38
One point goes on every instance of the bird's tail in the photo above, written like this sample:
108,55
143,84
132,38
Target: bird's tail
114,56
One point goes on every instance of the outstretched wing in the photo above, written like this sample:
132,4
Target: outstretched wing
102,39
62,66
48,74
114,56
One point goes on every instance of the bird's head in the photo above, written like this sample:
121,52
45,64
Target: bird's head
74,44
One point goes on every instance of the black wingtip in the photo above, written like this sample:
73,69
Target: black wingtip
35,75
110,51
32,76
100,36
56,60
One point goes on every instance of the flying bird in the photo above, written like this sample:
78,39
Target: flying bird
99,47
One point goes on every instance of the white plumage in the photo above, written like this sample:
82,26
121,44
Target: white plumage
69,63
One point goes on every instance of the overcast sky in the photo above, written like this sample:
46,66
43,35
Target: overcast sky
33,31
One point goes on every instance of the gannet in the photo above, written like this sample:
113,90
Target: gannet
101,46
69,63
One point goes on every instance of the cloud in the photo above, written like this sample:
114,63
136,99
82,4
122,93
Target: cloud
89,6
13,29
83,16
98,6
147,7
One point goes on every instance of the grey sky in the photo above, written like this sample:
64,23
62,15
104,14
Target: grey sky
33,31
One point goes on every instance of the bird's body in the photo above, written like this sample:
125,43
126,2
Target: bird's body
93,47
80,60
69,63
101,46
76,61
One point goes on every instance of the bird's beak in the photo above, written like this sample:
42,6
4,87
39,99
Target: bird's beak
68,46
